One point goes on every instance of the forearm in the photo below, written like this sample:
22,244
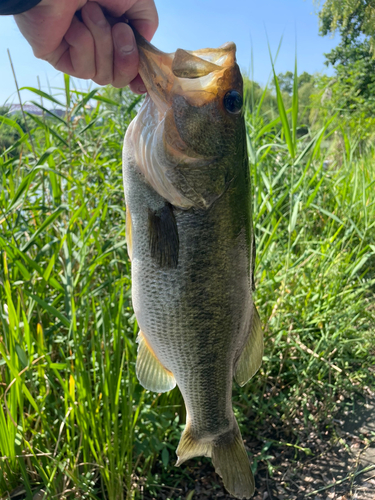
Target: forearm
13,7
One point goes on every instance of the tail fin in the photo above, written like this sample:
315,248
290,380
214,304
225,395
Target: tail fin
229,458
232,463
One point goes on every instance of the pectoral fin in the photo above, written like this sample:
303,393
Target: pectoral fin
251,357
128,232
150,372
163,236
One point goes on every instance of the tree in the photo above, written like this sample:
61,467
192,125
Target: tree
285,82
353,59
352,18
305,78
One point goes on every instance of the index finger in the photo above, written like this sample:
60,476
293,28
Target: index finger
142,14
144,17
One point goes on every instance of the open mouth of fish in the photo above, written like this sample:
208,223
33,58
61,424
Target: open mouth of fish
201,75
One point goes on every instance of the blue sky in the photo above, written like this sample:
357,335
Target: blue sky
196,24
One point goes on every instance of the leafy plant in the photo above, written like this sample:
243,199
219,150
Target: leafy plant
74,420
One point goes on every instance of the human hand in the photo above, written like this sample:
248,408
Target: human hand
93,48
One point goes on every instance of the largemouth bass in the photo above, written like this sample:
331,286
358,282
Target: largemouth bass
191,245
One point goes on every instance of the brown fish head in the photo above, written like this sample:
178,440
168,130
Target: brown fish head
202,94
188,140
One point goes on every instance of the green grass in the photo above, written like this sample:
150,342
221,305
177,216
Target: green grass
315,223
73,418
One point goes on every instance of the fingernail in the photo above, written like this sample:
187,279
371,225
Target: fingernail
124,41
142,89
97,17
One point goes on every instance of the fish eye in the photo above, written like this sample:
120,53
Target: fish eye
233,102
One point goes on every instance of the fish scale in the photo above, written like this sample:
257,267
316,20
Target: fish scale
190,238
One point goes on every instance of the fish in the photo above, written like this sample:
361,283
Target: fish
190,239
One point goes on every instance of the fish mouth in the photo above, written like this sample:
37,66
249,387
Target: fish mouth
198,75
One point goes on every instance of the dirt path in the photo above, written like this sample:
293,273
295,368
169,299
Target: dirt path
359,427
343,471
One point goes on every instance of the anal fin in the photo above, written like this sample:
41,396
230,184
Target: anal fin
150,372
251,357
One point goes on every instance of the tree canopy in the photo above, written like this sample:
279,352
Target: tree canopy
354,57
352,18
